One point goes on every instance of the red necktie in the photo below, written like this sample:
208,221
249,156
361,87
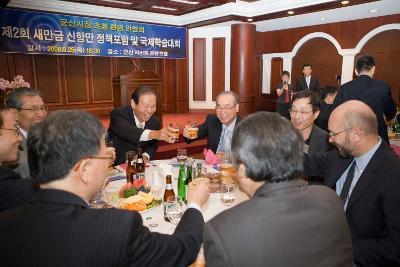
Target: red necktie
287,96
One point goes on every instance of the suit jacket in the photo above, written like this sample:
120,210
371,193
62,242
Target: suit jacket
373,210
212,129
23,168
125,134
274,228
324,114
14,191
58,228
376,94
301,84
319,141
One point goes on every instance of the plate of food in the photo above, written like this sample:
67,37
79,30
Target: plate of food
137,196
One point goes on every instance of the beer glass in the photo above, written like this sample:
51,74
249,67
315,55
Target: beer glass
227,171
174,209
192,130
175,130
181,155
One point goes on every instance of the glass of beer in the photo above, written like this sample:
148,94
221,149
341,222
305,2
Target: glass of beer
192,130
228,194
227,171
181,155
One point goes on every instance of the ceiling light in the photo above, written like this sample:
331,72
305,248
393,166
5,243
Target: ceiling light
185,2
291,12
165,8
322,19
249,19
345,2
373,10
117,2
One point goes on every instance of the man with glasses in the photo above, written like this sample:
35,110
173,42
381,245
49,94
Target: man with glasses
14,191
30,110
303,113
365,172
218,128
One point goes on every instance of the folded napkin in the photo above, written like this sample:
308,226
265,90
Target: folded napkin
210,157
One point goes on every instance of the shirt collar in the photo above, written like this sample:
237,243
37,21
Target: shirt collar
363,160
23,132
230,126
138,123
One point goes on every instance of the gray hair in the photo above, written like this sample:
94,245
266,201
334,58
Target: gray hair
13,99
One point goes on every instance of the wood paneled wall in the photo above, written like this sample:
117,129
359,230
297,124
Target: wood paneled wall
323,55
199,69
218,66
71,82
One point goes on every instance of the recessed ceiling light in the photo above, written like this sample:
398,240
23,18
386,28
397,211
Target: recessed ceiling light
185,2
374,10
117,2
165,8
345,2
322,19
291,12
249,19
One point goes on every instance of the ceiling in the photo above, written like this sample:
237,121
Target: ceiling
267,15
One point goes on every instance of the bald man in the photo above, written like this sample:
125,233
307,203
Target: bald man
365,173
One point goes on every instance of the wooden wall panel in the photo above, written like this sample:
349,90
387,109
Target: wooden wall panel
76,79
385,48
199,69
47,78
182,86
169,93
323,57
4,72
101,79
218,66
347,33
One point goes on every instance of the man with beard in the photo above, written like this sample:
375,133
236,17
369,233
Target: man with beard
364,171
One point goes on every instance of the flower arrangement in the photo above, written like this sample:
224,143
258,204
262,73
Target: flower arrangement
6,86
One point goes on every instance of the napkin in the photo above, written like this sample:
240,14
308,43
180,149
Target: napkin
210,157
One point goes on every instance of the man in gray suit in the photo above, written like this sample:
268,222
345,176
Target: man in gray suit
286,222
30,109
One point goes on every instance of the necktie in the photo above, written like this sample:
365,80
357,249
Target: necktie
221,146
287,97
347,183
308,81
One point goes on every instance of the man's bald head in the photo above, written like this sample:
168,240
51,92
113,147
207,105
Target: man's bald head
355,114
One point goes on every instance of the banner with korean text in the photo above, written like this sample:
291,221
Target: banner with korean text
56,34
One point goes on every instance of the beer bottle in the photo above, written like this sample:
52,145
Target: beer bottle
130,167
169,192
181,182
140,168
189,169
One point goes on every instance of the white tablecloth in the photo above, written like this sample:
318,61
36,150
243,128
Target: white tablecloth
155,216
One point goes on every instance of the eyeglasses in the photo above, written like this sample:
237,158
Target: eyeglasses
35,109
16,131
219,108
100,157
301,112
333,134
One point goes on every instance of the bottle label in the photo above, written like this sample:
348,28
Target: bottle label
139,160
168,186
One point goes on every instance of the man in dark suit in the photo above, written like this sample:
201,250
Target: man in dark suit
376,94
14,191
304,111
30,110
218,128
307,81
135,125
276,227
364,171
58,228
328,95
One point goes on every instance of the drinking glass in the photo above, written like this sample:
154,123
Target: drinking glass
228,194
181,155
157,192
227,171
174,209
192,130
175,130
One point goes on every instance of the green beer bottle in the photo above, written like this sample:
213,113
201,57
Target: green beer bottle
181,182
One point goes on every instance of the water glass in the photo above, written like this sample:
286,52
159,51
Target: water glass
181,155
174,209
228,194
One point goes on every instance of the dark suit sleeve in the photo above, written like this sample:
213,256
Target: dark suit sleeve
154,249
121,127
298,86
214,250
385,251
316,164
389,106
